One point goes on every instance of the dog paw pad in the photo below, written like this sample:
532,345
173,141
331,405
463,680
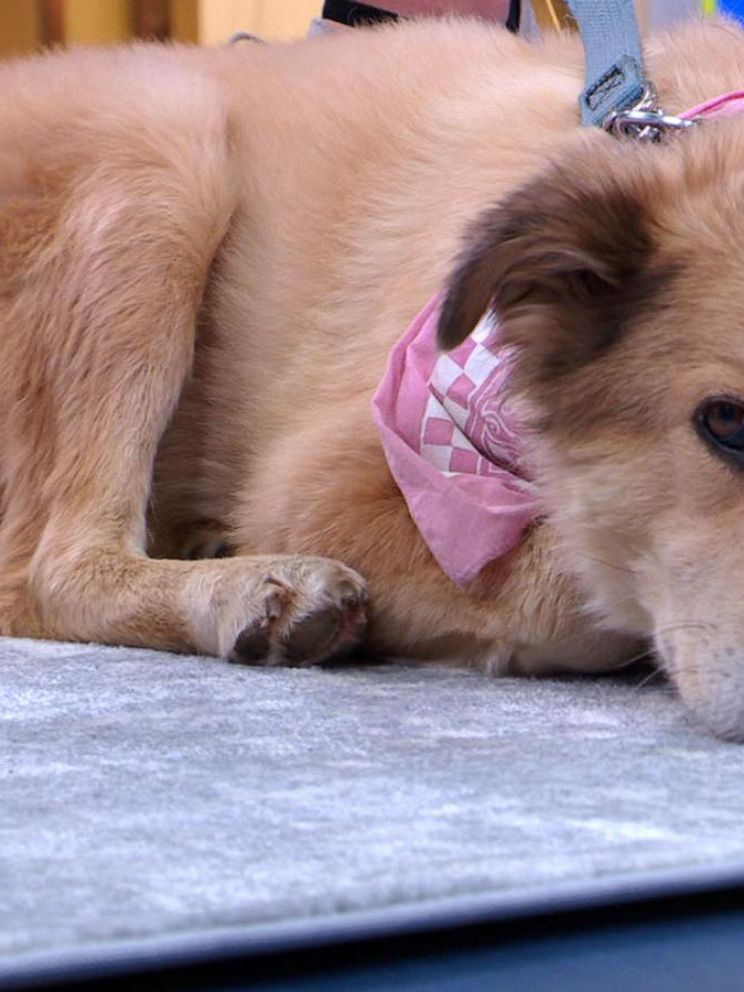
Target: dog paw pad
313,637
305,624
253,645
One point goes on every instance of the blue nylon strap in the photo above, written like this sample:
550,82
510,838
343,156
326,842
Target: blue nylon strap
615,75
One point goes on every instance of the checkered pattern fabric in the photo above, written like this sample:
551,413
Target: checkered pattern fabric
467,426
453,445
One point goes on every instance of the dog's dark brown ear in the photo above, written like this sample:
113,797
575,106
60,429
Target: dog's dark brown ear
562,263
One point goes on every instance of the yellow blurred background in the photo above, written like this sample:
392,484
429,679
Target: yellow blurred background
27,24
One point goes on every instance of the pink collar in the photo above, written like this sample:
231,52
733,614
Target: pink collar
452,444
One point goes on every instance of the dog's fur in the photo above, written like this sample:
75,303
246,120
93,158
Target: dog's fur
205,258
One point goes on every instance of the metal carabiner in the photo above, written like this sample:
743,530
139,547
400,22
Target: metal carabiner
645,121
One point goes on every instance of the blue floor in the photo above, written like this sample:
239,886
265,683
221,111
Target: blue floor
678,955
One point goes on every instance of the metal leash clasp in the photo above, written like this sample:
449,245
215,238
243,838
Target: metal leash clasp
645,121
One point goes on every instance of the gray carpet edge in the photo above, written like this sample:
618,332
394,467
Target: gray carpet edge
101,958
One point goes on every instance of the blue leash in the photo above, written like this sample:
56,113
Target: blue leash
615,74
618,95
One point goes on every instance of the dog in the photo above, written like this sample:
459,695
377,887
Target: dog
206,258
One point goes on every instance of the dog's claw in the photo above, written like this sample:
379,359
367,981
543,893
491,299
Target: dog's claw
275,603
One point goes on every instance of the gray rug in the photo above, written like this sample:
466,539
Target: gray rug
148,795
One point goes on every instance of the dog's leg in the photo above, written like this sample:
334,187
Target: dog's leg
95,347
523,611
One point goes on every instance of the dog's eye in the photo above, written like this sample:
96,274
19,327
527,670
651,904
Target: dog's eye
721,422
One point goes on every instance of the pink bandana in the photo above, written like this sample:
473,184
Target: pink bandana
451,442
453,446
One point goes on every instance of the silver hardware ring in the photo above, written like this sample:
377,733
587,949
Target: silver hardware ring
646,125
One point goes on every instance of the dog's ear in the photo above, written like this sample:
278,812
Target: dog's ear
563,261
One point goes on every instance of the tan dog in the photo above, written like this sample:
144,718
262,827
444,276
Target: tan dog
205,258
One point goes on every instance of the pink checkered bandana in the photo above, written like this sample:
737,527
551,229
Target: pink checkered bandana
451,441
453,445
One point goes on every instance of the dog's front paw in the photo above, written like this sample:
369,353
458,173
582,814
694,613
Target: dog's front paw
314,611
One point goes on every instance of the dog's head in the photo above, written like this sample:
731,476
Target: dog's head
618,274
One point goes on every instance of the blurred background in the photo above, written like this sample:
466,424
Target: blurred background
25,25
